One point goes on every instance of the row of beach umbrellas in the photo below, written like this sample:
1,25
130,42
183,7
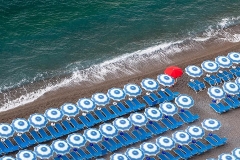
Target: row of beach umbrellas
213,66
235,155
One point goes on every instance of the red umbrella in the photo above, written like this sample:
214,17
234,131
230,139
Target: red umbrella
173,71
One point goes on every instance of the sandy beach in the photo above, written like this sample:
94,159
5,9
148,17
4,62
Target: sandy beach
229,129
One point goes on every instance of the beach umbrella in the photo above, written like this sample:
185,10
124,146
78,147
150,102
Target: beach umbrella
195,132
7,158
20,125
184,101
165,143
216,93
210,66
237,81
153,113
168,108
149,149
149,84
86,104
236,153
173,71
37,120
43,151
165,80
92,135
117,156
231,88
60,147
181,137
6,130
138,119
122,124
116,94
26,155
132,90
211,124
223,61
53,114
76,140
108,130
234,56
100,99
194,71
226,156
69,109
134,154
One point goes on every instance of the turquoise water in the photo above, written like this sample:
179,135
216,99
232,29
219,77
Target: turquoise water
41,40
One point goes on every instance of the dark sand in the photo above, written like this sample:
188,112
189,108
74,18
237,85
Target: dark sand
229,120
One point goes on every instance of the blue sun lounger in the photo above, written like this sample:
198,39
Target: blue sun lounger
200,84
195,148
225,107
120,109
230,103
39,137
124,108
62,157
182,154
96,150
187,116
193,86
155,128
235,72
111,145
150,101
168,124
126,139
235,101
190,151
139,104
66,124
104,114
204,147
215,140
216,79
76,125
86,121
75,155
165,96
135,105
7,146
141,134
84,155
167,156
228,74
54,131
30,140
221,141
210,81
171,93
223,77
216,108
21,143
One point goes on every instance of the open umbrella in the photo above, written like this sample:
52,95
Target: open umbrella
138,119
194,71
168,108
108,130
235,57
181,137
132,90
86,104
231,88
76,140
100,99
6,130
7,158
60,147
153,114
69,109
226,156
210,66
92,135
165,80
26,155
53,114
122,124
134,154
216,93
223,61
236,153
195,132
149,149
184,101
21,125
37,120
211,124
237,81
117,156
116,94
149,84
43,151
165,143
173,71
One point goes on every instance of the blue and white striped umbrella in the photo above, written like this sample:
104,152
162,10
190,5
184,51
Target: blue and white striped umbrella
149,149
69,109
237,81
122,124
116,94
134,154
108,130
195,132
86,104
53,114
216,93
153,113
20,125
234,56
181,137
60,147
184,101
118,156
26,155
226,156
223,61
165,143
138,119
194,71
211,124
236,153
165,80
6,130
132,90
76,140
168,108
100,99
149,84
231,88
37,120
43,151
92,135
210,66
7,158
